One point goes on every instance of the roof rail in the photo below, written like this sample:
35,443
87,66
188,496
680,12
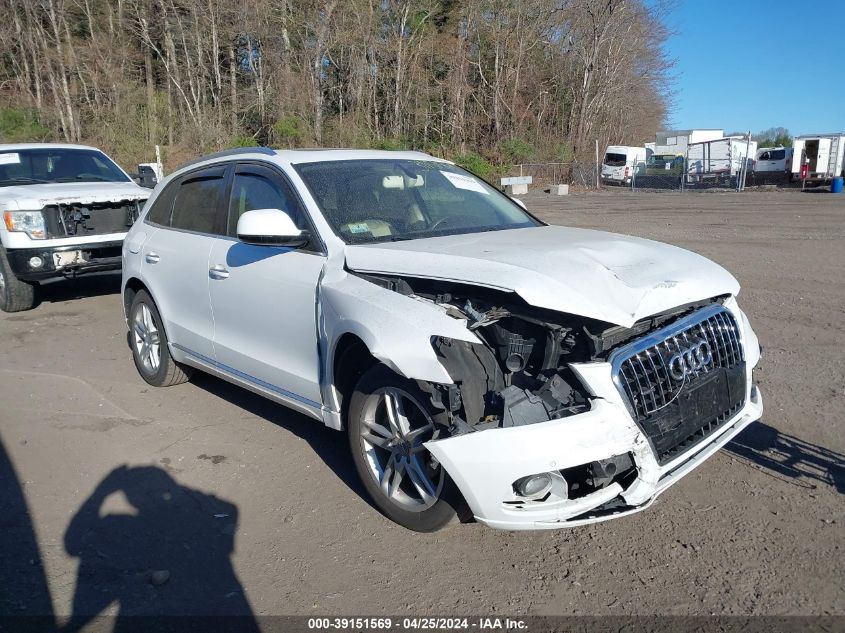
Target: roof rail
269,151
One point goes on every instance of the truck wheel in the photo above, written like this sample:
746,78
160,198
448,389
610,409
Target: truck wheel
389,419
15,295
149,345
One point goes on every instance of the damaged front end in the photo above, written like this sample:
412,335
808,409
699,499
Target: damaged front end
541,432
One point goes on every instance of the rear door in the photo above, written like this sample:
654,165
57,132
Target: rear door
264,298
175,257
823,156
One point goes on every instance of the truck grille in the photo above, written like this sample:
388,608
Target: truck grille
683,381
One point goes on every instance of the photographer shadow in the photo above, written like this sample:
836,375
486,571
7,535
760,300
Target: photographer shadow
165,553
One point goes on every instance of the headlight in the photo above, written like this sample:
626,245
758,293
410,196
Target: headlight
29,222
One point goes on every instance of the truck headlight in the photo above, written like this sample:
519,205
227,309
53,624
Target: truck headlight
29,222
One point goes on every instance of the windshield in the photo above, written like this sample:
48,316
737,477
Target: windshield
390,200
657,159
612,159
52,165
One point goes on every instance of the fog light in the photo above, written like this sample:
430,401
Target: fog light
36,262
533,486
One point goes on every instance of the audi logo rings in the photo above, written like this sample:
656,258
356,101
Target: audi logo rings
690,360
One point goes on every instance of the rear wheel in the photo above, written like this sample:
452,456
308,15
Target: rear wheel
15,295
149,345
389,420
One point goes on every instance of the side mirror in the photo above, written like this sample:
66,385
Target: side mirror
270,227
520,203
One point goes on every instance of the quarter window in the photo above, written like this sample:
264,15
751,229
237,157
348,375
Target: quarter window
163,205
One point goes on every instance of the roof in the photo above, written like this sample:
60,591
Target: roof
10,147
823,135
313,155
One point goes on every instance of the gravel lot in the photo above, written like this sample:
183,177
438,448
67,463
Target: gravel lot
756,530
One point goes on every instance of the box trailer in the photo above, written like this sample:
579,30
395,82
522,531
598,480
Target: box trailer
676,141
822,154
721,159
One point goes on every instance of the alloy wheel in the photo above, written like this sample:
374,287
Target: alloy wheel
395,427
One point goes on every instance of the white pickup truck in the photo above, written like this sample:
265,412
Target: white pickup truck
66,210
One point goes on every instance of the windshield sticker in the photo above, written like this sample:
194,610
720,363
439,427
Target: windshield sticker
360,227
464,182
11,158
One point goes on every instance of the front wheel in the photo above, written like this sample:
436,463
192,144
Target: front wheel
15,295
389,420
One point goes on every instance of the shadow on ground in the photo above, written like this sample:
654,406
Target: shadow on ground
330,445
23,583
91,285
165,552
789,456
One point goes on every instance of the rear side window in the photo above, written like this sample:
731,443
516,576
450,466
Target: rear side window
163,205
197,206
778,154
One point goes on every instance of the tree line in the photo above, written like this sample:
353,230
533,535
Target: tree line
486,82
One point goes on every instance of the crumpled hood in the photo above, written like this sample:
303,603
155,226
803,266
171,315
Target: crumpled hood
604,276
31,197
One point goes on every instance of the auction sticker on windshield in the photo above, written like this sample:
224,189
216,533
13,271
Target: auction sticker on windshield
464,182
10,158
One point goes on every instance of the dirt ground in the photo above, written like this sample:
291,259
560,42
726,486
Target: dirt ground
265,502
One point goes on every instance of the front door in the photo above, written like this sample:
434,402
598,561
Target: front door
264,298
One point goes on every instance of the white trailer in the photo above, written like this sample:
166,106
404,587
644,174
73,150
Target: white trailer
823,155
720,159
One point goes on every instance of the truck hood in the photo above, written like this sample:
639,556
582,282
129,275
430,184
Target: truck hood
30,197
612,278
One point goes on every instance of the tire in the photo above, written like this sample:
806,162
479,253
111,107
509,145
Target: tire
409,467
15,295
149,345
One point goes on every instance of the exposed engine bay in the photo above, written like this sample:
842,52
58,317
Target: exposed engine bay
521,374
98,218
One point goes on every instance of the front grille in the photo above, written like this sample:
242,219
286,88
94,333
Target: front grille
683,381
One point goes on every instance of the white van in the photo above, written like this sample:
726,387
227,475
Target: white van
619,163
774,160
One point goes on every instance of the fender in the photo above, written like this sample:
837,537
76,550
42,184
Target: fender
395,328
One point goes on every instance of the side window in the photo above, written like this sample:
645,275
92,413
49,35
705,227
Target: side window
764,156
197,204
256,187
163,205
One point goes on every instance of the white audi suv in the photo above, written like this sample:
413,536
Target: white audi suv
481,362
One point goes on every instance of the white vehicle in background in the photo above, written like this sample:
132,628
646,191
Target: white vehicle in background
720,160
772,160
66,210
621,162
542,376
824,155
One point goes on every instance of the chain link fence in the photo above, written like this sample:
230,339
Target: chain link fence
658,173
574,173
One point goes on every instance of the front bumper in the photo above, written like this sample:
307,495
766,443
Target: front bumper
484,465
65,261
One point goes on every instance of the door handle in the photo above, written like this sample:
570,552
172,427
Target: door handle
152,257
218,272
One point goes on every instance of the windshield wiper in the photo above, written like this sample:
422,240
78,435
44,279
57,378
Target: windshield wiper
83,179
26,179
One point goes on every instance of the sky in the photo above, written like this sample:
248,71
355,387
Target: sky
754,64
